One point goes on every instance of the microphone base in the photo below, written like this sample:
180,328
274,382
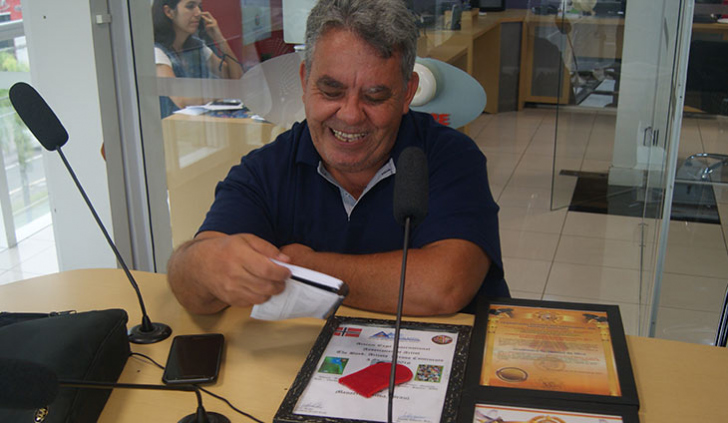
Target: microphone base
212,417
159,332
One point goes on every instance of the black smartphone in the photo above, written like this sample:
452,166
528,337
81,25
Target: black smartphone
194,359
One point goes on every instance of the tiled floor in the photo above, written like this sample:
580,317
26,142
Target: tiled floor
554,254
551,253
33,256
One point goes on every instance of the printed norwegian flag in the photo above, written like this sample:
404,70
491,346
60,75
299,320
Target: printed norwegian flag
342,331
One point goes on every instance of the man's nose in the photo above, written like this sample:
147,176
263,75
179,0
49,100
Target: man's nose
351,111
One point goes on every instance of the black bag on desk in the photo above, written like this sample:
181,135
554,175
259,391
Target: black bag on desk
90,346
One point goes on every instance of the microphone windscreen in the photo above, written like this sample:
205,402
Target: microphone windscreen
38,116
25,385
411,186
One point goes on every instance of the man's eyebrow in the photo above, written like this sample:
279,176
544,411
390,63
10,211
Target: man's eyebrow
329,82
378,89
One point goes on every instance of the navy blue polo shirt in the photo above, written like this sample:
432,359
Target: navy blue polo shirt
277,194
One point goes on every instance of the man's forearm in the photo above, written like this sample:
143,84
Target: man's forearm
441,278
182,274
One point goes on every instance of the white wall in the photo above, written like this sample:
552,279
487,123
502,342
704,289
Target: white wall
63,70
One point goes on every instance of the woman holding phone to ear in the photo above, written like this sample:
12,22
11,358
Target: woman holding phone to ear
179,52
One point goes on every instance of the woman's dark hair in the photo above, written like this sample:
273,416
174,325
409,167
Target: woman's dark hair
164,28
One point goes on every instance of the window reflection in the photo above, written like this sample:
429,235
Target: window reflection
202,51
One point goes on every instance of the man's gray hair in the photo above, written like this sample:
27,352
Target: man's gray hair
387,25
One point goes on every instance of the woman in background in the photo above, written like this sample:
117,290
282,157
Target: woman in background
179,52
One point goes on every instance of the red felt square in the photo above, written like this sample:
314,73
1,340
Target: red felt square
372,379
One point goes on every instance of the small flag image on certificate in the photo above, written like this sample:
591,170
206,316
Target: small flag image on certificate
347,331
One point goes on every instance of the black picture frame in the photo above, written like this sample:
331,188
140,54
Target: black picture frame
285,412
489,5
626,404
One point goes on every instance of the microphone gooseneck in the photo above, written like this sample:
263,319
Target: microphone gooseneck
45,126
410,209
146,332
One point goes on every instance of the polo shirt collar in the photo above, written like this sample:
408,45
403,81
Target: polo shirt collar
306,152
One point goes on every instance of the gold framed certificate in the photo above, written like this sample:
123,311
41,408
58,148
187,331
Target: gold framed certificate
526,353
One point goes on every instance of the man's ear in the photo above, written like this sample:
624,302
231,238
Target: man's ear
302,74
412,85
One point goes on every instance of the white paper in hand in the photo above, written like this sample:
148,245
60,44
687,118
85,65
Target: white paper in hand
301,299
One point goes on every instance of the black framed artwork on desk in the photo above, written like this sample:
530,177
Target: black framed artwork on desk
531,359
489,5
434,356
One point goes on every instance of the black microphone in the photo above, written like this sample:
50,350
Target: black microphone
25,385
410,209
44,124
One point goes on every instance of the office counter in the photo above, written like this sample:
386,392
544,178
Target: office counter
676,381
477,48
540,71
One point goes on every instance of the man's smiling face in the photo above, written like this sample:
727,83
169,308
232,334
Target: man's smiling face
354,101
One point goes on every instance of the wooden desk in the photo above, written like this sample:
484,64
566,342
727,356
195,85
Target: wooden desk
710,31
676,381
475,48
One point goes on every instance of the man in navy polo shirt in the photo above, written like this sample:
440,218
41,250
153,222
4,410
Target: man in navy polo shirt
320,196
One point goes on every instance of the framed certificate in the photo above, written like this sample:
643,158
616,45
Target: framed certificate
528,353
548,412
435,354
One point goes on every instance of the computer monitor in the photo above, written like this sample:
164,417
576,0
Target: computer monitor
488,5
708,10
610,7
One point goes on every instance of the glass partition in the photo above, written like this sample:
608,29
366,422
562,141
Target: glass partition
191,62
23,191
585,92
627,89
610,69
694,282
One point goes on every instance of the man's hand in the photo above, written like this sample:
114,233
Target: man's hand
215,270
442,277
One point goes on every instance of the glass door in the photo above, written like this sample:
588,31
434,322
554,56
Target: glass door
690,291
616,89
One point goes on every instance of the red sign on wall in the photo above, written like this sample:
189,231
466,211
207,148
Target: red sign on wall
442,118
13,8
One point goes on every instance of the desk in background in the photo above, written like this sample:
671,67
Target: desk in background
545,76
484,48
676,381
199,152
